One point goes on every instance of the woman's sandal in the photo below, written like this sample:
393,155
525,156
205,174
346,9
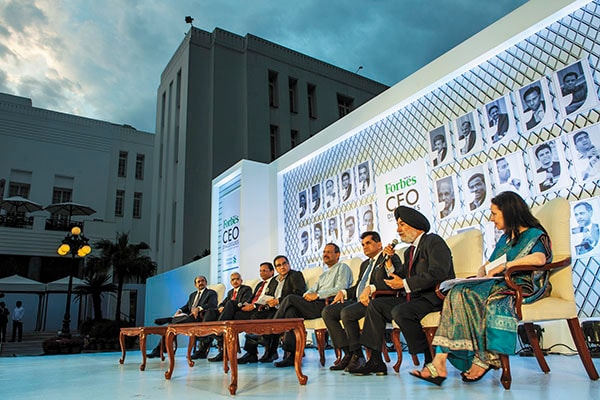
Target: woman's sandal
435,378
465,378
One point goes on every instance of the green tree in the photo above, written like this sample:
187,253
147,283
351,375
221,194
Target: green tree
127,261
95,285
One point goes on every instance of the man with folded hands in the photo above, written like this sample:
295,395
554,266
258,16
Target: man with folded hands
350,305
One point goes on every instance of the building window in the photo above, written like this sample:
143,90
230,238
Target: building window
119,200
274,141
139,166
312,100
137,205
122,164
61,195
273,100
345,104
293,88
19,189
294,137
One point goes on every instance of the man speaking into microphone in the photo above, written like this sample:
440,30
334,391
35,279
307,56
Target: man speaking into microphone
427,262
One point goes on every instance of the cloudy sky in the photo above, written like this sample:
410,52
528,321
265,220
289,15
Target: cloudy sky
103,58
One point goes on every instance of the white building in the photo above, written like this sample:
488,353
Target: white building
51,157
224,98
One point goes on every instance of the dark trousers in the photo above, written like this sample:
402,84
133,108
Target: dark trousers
294,306
379,313
252,341
349,312
3,331
17,328
408,316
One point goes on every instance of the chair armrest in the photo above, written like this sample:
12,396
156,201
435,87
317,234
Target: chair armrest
508,277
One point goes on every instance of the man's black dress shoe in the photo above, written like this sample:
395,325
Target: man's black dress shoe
286,362
218,357
155,353
355,363
200,354
342,364
267,358
248,358
371,367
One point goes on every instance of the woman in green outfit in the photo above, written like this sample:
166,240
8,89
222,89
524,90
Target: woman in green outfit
478,320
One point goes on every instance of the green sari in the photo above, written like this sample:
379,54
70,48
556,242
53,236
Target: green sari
479,319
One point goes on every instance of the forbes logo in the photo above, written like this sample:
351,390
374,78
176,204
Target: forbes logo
401,184
231,221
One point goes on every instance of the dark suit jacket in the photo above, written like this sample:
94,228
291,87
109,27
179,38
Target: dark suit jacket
294,284
432,264
207,301
244,295
377,276
532,123
501,127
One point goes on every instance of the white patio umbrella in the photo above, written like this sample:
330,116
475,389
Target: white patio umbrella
16,204
69,209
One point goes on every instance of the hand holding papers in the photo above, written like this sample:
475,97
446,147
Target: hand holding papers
263,299
450,283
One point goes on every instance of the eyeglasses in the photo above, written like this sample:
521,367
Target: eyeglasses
281,265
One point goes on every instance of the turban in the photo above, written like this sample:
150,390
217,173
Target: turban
412,217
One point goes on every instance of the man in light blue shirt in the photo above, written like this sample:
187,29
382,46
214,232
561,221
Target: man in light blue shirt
309,306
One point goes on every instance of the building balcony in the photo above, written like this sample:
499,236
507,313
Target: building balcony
16,221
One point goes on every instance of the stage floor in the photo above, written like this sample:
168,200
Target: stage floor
100,376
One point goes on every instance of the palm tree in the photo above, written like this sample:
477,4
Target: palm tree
96,283
127,262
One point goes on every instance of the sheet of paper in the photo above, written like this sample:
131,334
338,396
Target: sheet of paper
495,263
450,283
262,300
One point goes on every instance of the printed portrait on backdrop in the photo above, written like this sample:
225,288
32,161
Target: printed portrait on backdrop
478,185
302,204
500,125
331,198
318,238
509,174
575,88
491,237
468,137
303,242
446,192
346,186
439,146
585,152
350,227
333,230
364,179
367,218
585,232
549,164
535,105
315,203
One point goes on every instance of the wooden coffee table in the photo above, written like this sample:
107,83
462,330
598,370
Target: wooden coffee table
230,331
141,332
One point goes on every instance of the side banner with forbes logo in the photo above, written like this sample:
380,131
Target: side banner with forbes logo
403,186
230,235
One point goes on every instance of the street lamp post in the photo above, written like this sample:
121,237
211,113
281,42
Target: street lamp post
76,244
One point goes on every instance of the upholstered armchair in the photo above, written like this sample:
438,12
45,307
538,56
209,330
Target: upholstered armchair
560,304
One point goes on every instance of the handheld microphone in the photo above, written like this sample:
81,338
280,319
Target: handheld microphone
393,244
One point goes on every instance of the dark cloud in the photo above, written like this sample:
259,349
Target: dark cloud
18,14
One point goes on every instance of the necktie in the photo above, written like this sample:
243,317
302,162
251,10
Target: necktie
411,253
196,300
234,294
258,292
363,281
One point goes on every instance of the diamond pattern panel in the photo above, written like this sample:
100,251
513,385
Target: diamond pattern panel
402,137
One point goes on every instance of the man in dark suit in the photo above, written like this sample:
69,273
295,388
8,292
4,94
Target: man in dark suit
238,295
194,310
536,104
350,305
469,135
427,262
285,283
441,148
498,120
549,169
336,277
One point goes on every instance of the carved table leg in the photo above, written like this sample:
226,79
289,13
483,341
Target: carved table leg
191,344
143,350
231,342
171,354
122,343
300,343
